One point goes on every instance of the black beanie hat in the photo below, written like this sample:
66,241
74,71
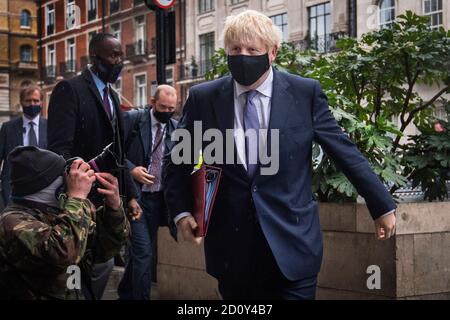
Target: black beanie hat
33,169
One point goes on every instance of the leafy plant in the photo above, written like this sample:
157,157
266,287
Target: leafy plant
373,87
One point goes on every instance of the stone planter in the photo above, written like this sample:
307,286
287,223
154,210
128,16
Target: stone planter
415,264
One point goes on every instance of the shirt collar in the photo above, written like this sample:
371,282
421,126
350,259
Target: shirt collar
264,88
98,82
154,120
26,121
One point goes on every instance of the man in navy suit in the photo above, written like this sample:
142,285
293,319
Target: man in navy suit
30,129
148,137
264,239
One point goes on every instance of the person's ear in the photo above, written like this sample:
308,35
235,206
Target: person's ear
273,54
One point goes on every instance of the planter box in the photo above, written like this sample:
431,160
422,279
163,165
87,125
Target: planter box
415,264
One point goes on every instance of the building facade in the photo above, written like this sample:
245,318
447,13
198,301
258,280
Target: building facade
315,24
68,26
18,53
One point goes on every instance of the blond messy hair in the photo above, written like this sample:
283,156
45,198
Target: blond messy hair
251,24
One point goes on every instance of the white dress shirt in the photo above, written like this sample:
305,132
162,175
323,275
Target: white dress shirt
262,101
26,129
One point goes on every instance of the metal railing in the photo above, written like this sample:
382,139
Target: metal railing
139,48
68,68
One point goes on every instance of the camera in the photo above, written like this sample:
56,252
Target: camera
106,161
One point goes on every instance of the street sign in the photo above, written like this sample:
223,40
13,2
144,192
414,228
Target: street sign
164,4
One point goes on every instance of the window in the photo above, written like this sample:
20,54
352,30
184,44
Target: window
115,30
51,61
281,21
169,75
386,13
320,27
140,35
205,6
140,84
70,14
71,55
26,53
114,6
25,19
50,19
236,1
92,9
206,52
433,9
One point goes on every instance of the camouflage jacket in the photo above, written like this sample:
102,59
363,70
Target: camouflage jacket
38,243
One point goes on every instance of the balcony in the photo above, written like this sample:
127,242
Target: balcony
49,74
137,52
68,69
322,44
114,6
27,66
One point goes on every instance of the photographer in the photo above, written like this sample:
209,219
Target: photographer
45,231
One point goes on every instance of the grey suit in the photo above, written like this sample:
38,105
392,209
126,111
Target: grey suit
11,136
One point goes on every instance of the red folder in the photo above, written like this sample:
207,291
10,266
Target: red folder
205,183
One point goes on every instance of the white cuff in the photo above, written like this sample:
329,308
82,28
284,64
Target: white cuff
181,216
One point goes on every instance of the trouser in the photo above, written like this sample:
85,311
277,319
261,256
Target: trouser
99,279
136,281
253,272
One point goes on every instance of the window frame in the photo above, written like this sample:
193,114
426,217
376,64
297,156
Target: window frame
28,19
26,46
316,17
432,13
136,89
47,15
385,24
202,9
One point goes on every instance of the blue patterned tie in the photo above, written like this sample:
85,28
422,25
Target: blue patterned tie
251,122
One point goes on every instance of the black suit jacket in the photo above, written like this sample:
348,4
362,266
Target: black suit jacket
11,136
140,145
78,125
283,202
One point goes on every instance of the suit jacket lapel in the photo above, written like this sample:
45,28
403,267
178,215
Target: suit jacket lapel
146,133
42,133
224,110
282,101
18,132
224,106
282,105
91,84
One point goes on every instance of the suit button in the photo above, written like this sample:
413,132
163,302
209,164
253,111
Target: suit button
255,188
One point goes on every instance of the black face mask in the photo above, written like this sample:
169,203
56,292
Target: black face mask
106,71
246,70
32,111
162,117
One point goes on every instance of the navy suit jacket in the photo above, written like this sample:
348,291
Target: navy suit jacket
139,149
140,146
284,202
11,136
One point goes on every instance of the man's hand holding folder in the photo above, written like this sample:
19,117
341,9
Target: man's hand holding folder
205,183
